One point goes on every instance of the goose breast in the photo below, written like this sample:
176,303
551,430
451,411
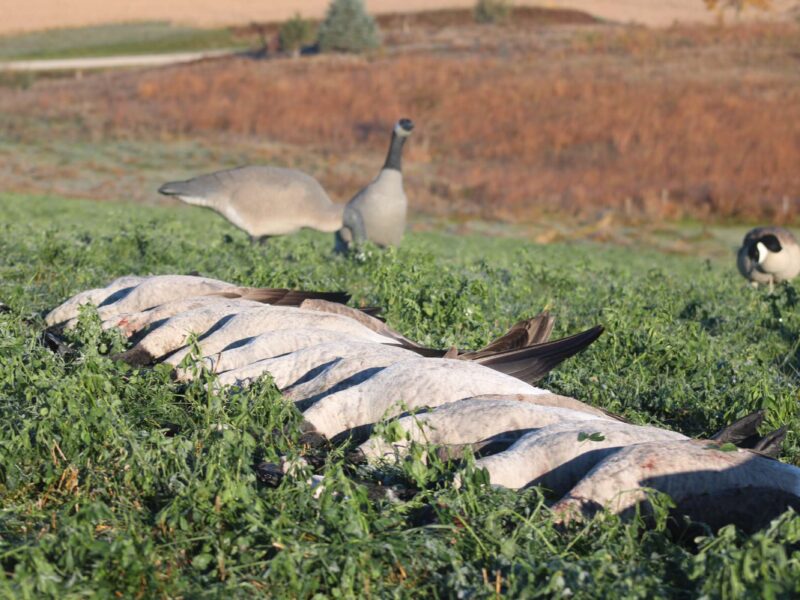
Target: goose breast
407,385
469,421
559,455
681,469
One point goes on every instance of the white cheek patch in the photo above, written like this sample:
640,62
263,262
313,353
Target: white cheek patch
398,130
762,251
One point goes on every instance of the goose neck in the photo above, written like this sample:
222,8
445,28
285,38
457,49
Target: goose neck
394,158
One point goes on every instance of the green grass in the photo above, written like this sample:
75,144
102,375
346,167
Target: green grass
113,40
96,498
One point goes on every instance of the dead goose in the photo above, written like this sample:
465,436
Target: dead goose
528,364
685,470
174,332
69,309
253,322
289,368
160,289
407,385
378,212
559,455
769,255
470,420
131,323
348,370
262,201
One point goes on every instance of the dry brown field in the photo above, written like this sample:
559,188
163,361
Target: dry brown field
515,122
43,14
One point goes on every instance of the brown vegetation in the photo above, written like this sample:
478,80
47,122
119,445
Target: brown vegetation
512,123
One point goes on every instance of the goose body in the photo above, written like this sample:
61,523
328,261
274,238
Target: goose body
289,368
262,201
68,310
130,324
353,366
684,470
154,291
378,212
270,345
559,455
769,255
469,421
408,385
250,323
554,400
174,333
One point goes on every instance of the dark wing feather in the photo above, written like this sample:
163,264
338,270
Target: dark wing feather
532,363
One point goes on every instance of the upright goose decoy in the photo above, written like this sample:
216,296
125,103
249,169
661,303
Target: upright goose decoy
378,212
262,201
769,255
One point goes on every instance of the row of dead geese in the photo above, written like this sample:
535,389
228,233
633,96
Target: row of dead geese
346,370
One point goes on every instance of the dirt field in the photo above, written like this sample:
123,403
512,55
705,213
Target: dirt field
42,14
514,122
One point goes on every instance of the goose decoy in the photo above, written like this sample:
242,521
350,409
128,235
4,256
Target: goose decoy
262,201
769,255
378,212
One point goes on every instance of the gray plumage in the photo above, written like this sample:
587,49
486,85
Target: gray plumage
769,255
378,212
683,470
263,201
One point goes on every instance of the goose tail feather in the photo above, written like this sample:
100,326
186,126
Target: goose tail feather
532,363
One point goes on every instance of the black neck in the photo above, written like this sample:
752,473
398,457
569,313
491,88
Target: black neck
394,159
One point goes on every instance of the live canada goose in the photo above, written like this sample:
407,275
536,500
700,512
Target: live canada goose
378,212
559,455
407,385
681,469
262,201
769,255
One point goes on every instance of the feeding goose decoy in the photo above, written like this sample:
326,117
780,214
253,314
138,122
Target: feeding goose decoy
262,201
769,255
378,212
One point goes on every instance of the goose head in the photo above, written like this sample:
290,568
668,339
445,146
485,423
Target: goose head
761,248
404,127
